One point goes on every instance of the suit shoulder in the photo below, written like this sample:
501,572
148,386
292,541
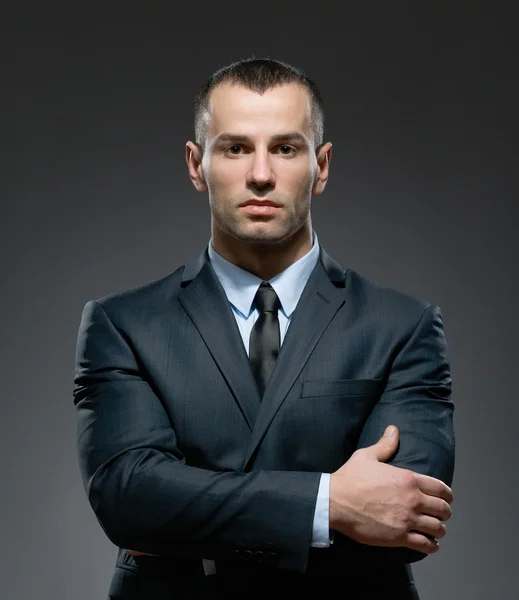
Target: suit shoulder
375,296
152,295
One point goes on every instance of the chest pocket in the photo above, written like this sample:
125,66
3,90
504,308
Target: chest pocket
342,387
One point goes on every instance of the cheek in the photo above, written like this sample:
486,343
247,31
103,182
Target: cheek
299,185
223,175
298,176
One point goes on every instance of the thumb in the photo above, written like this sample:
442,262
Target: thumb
386,446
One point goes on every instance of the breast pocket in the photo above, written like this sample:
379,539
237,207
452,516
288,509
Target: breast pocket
319,428
342,387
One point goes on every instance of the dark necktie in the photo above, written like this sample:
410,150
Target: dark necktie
264,339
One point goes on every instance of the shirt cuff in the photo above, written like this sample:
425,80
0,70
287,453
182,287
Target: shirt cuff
322,537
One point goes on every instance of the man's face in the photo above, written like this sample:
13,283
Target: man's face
259,147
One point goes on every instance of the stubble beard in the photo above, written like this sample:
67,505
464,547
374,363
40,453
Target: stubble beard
244,230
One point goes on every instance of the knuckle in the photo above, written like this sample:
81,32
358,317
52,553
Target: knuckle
409,478
405,526
405,523
414,499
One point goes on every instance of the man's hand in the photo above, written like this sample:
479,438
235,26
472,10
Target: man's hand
382,505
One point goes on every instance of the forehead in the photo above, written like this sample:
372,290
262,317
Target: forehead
237,109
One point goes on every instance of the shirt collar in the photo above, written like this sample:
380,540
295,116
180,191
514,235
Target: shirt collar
240,286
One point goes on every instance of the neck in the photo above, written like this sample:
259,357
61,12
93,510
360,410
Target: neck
265,260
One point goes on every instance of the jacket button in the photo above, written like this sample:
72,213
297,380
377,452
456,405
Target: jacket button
248,555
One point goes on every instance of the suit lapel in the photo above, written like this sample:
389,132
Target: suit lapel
319,302
204,300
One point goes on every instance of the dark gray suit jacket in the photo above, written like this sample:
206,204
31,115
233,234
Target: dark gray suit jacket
180,458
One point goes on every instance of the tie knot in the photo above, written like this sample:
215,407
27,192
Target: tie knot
266,299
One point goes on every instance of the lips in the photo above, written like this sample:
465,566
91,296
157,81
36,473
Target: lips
253,202
260,209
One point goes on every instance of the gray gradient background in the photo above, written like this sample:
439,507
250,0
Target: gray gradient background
421,109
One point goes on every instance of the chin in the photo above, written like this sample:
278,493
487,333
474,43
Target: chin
267,234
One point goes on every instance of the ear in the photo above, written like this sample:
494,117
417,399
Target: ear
324,157
194,155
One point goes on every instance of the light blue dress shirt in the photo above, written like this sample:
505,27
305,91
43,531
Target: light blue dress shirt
240,287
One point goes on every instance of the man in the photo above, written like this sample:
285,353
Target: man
231,415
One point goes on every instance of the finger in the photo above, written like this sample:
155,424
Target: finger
420,542
434,487
386,446
435,507
430,526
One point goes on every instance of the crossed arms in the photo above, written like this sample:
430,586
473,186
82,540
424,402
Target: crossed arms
148,499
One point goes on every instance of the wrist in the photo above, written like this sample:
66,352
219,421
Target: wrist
333,509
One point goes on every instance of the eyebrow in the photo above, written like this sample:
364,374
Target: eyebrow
291,136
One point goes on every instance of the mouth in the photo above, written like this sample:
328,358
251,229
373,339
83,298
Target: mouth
261,208
256,202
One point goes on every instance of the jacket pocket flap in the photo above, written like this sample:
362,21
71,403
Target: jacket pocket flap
342,387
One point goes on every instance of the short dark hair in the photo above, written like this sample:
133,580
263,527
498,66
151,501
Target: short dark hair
259,75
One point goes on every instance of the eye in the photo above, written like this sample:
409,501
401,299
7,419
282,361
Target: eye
286,149
234,149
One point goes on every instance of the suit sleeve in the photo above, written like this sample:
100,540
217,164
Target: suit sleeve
143,493
417,399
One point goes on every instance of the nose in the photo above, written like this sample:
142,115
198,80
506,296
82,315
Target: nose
260,173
